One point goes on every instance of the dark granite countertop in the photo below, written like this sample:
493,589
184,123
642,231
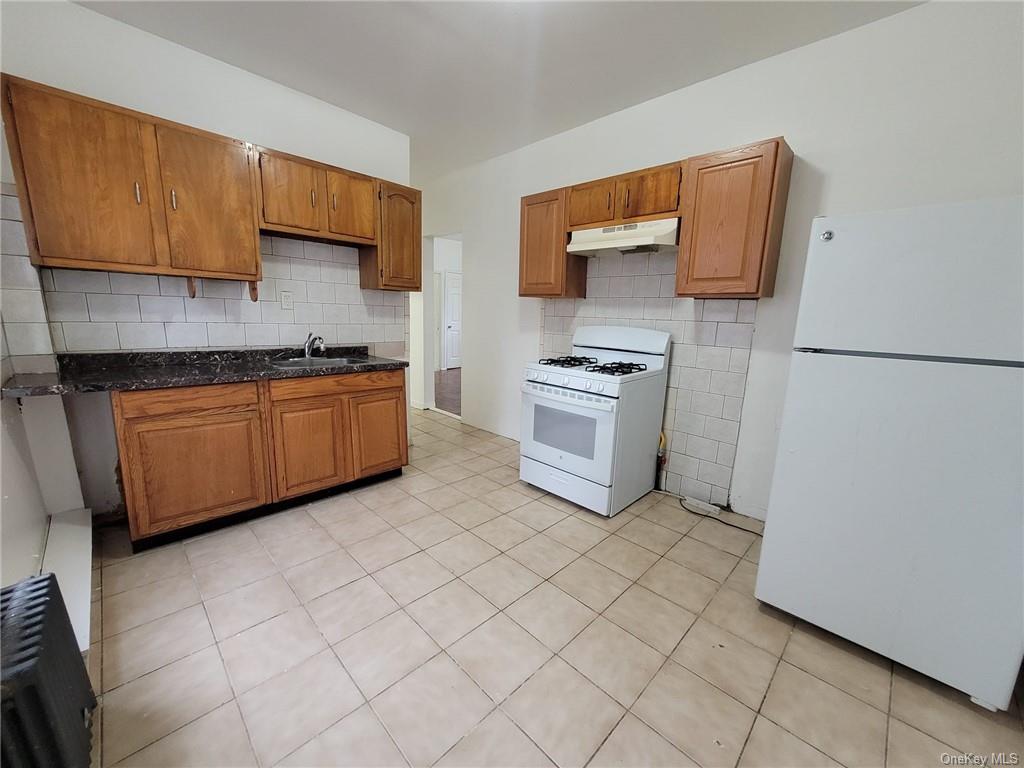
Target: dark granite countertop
108,371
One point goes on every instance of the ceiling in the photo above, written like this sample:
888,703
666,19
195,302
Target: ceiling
468,81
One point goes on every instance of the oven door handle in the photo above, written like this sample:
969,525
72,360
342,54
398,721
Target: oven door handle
595,404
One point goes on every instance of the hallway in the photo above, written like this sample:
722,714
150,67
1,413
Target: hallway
448,390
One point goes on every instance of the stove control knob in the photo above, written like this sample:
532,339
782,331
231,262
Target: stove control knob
543,377
531,375
600,387
565,380
588,385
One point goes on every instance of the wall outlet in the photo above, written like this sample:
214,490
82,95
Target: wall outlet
287,300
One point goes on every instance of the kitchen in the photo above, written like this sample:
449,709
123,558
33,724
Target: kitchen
466,473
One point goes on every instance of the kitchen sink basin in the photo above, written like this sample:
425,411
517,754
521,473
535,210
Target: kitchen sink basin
314,362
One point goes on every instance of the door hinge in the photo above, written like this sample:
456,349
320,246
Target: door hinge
10,99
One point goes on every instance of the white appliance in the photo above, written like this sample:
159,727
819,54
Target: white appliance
649,235
896,516
591,421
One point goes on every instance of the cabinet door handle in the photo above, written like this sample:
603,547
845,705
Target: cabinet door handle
138,194
608,205
627,196
312,197
174,199
334,201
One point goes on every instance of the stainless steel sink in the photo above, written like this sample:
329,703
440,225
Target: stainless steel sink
314,362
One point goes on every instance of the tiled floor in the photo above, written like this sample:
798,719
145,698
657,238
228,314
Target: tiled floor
457,617
448,390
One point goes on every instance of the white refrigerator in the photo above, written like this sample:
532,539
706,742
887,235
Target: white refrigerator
896,516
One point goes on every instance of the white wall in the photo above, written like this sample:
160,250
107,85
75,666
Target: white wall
924,106
447,255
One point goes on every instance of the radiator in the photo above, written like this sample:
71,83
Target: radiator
47,699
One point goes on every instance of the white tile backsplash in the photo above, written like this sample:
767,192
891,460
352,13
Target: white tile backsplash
710,353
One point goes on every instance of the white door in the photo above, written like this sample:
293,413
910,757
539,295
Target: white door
438,321
452,319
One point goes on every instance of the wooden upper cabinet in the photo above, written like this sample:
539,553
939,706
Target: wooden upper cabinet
379,440
396,262
208,197
651,192
310,444
292,192
545,269
592,203
734,205
351,205
87,180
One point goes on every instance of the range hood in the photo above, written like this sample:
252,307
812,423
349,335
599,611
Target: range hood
648,236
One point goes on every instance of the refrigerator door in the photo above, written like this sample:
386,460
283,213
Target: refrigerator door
945,280
896,516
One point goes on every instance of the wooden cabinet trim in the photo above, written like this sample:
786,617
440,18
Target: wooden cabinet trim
160,402
340,384
325,407
363,453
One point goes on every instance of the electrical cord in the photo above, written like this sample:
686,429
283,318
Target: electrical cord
691,510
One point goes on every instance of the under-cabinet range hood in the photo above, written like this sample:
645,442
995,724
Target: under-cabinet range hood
647,236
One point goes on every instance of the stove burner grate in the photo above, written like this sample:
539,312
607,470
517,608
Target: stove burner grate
617,369
568,361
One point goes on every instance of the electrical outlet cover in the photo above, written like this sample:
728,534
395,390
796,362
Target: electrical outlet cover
287,300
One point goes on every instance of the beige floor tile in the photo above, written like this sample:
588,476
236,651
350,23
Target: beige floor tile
382,550
502,580
909,748
143,604
502,475
564,506
323,574
431,709
632,744
612,658
505,499
288,710
233,572
703,558
249,605
294,550
470,514
283,525
442,498
450,612
523,487
725,537
591,583
357,526
538,515
462,553
751,619
217,739
550,615
155,644
740,669
503,532
94,666
403,511
606,524
770,746
500,655
356,741
670,515
680,585
542,555
385,652
495,743
576,534
335,509
433,462
844,728
564,713
115,544
148,708
649,535
481,464
623,557
950,717
354,607
412,578
430,530
95,622
743,578
658,622
379,495
268,649
413,484
477,486
696,717
743,521
849,667
754,553
451,473
145,569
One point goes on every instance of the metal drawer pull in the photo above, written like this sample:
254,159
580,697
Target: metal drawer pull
334,201
174,199
138,194
312,196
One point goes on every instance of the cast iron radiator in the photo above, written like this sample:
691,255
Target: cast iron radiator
47,699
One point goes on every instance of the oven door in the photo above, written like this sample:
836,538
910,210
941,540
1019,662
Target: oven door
573,431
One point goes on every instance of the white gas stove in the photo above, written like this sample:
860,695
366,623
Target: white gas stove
592,421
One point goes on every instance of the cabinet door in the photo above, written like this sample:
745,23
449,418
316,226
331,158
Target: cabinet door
379,439
650,192
592,203
182,469
208,194
310,444
399,243
727,198
292,192
351,205
85,171
542,242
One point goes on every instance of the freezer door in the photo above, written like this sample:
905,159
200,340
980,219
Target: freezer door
895,517
945,280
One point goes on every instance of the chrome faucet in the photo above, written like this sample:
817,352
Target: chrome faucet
314,342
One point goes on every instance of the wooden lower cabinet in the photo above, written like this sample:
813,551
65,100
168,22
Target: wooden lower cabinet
192,454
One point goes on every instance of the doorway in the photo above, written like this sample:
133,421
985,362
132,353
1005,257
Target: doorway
448,324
